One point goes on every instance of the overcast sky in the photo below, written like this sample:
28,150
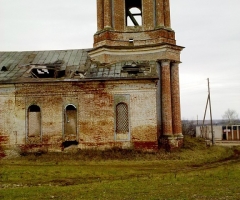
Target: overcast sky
209,29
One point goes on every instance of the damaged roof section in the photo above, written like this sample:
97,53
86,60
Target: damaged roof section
125,69
18,66
67,65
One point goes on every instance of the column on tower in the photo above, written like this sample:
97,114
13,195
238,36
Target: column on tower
100,15
175,94
167,19
148,8
166,98
159,13
118,16
107,14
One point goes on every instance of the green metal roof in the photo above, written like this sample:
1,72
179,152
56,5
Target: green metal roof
66,65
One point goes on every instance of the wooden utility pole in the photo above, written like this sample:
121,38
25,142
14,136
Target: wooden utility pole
210,108
202,132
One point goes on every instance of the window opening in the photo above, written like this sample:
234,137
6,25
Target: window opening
235,134
34,124
70,107
70,123
224,135
34,108
133,12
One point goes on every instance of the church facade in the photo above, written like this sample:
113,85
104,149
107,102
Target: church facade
123,92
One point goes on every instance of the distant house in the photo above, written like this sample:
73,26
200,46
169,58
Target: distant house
220,132
123,92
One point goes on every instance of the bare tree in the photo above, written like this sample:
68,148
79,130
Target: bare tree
188,127
230,117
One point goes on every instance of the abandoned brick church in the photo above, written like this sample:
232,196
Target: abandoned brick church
123,92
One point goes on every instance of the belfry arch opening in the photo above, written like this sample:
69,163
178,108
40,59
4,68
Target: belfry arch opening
133,12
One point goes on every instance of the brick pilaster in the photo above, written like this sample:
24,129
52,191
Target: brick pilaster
159,13
100,15
118,16
167,19
148,17
107,14
175,92
166,98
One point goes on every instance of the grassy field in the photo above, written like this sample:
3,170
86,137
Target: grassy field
195,172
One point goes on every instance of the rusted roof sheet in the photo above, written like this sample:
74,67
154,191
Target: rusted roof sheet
66,65
16,62
124,69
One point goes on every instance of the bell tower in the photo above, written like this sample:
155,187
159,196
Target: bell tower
128,28
141,30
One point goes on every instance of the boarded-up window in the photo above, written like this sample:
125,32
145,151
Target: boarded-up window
34,124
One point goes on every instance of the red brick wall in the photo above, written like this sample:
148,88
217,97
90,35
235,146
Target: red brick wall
166,98
175,92
119,15
100,15
112,29
95,105
148,15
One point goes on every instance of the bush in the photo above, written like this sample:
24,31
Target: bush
194,143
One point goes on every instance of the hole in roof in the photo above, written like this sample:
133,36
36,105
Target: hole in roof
4,69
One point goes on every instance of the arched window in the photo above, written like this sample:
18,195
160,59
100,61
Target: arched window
133,12
71,107
34,108
34,124
122,122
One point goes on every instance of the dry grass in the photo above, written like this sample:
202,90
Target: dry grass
195,172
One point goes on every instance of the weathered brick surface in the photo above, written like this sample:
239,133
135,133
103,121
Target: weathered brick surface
107,14
7,102
118,15
153,120
153,17
148,15
95,113
111,55
175,92
100,15
153,37
159,13
167,20
166,98
148,41
154,40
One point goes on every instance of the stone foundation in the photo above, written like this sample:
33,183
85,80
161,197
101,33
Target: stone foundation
171,142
